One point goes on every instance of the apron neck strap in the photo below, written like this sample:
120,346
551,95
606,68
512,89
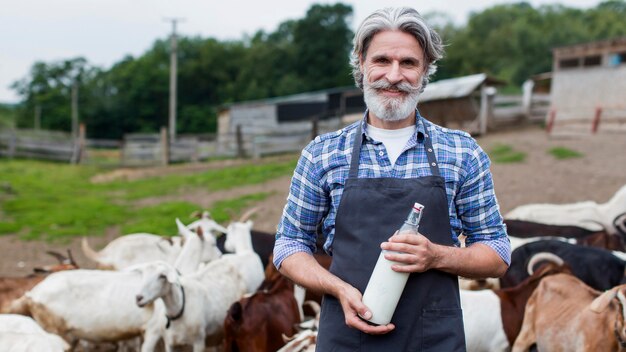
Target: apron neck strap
356,153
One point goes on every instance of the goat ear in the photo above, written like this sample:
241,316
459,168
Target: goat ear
182,229
600,304
200,233
236,311
172,276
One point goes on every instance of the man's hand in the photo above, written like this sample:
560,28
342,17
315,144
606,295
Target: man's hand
415,252
352,305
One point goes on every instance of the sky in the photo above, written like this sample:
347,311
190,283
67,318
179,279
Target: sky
105,31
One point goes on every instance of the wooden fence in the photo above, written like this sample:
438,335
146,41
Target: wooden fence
39,144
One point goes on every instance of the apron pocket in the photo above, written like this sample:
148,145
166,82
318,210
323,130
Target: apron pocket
334,334
442,330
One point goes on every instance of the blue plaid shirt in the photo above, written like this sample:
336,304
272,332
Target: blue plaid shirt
321,173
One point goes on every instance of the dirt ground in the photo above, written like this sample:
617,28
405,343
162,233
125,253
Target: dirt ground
539,179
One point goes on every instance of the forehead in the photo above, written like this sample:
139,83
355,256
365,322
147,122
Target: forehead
394,44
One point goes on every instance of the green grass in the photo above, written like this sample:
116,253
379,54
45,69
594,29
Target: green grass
564,153
52,201
502,153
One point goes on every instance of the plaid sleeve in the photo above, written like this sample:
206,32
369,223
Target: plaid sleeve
478,209
307,203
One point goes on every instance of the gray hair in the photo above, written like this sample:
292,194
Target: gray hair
406,20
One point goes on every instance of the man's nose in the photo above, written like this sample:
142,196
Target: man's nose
394,75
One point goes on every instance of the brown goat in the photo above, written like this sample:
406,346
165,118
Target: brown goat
564,314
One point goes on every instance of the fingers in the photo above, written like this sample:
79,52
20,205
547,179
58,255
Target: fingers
360,324
413,253
353,307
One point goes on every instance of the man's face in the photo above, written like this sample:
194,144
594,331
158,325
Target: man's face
393,71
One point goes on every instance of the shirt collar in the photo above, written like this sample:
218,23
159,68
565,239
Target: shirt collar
420,129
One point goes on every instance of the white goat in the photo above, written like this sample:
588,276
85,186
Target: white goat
140,248
609,216
96,305
22,334
482,322
243,256
194,306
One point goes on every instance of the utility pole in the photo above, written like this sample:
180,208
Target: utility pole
173,74
75,109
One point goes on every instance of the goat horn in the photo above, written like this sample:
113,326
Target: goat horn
287,338
314,306
551,257
60,257
248,214
621,227
69,255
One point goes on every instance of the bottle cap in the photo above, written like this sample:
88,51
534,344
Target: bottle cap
418,206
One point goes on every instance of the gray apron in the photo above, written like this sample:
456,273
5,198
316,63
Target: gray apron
428,316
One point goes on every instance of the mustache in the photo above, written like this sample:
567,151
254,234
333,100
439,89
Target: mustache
404,87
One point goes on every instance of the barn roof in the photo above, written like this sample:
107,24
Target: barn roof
454,88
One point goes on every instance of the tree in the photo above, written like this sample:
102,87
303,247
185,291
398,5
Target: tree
322,41
49,86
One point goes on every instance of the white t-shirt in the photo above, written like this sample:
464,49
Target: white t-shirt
393,140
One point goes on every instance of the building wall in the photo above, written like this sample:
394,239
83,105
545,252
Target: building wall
577,92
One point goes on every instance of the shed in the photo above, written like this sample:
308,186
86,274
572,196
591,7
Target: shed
464,103
589,81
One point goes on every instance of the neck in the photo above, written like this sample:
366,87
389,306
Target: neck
174,302
390,125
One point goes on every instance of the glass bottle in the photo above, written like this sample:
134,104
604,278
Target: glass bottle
385,286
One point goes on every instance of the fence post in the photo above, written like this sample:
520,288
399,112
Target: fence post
79,145
240,149
12,143
551,119
596,120
314,127
165,148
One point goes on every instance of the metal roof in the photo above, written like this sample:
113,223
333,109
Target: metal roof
455,87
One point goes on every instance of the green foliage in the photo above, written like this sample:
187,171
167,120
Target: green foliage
53,201
514,41
503,153
564,153
8,115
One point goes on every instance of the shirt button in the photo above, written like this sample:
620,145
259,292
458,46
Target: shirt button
430,150
381,153
426,135
434,164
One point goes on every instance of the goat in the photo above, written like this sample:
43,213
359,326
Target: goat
140,248
306,339
22,334
12,288
564,314
492,319
96,305
194,306
609,216
598,268
245,259
256,323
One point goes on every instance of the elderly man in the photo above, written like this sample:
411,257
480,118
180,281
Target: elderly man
360,182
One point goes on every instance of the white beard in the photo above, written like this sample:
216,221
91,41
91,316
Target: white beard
390,109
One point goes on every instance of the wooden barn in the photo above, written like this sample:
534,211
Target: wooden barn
588,87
